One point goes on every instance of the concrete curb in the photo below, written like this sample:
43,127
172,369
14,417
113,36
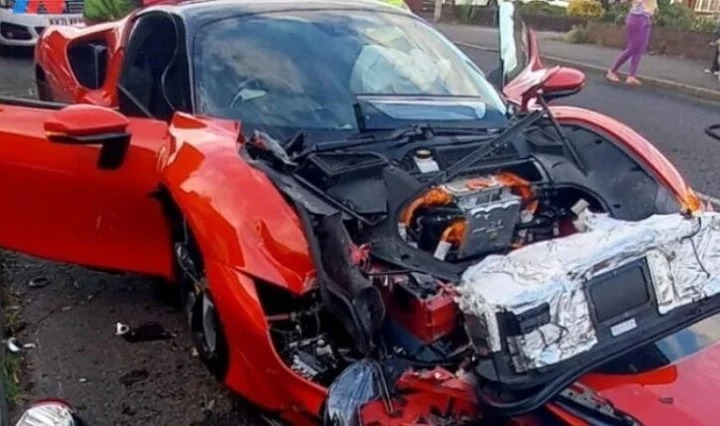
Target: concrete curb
699,92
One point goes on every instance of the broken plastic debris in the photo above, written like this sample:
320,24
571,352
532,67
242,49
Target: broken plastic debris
146,332
209,405
15,346
12,345
121,329
38,282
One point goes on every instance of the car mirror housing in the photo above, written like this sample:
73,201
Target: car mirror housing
564,82
558,82
84,124
85,120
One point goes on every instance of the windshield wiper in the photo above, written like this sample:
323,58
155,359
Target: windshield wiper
581,403
418,129
414,132
488,149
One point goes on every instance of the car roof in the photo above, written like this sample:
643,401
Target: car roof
196,13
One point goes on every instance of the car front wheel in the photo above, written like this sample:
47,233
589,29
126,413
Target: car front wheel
205,325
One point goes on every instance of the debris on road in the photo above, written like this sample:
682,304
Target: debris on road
121,329
38,282
15,346
146,332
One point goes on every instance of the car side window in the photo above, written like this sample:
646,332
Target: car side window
89,63
154,79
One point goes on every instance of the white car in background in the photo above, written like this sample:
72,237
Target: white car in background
22,21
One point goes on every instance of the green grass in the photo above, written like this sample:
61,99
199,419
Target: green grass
11,369
11,365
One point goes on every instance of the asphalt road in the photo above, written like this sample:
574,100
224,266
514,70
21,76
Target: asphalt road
72,320
17,76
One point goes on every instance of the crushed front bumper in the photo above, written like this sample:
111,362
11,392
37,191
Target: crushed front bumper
679,257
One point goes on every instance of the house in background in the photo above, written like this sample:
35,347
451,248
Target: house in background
704,6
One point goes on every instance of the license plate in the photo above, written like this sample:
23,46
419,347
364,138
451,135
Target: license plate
73,22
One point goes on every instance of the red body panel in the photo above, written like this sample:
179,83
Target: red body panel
684,393
236,213
431,391
246,230
61,206
256,372
52,59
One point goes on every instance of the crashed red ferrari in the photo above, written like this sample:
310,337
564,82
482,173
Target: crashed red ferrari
365,229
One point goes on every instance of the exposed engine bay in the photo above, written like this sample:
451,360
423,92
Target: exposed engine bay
468,217
507,270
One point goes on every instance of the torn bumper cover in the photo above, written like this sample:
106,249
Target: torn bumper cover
556,308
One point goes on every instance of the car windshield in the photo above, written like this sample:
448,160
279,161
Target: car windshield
290,71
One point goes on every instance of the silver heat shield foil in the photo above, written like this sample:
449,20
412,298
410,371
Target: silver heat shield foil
683,257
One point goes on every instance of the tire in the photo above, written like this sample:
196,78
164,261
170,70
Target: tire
208,333
43,91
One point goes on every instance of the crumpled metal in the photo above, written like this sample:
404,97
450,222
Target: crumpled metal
682,254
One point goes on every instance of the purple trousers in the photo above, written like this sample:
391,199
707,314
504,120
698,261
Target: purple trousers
638,37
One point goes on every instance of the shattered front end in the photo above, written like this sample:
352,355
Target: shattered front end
543,315
453,293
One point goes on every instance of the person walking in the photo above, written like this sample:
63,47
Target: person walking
715,66
638,24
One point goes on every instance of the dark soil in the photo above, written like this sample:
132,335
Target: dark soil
72,319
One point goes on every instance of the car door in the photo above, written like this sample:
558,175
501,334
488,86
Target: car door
520,64
79,184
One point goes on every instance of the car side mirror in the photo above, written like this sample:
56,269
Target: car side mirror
564,82
556,83
84,124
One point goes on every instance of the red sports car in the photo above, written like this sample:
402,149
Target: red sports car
365,229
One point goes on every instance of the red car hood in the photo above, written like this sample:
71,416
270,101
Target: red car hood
684,392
